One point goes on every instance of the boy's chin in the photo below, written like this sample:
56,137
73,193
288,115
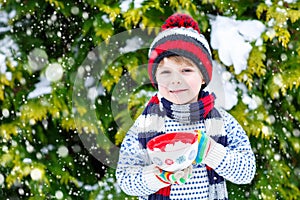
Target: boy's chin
181,101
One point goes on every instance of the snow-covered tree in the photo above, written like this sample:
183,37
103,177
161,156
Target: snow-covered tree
73,79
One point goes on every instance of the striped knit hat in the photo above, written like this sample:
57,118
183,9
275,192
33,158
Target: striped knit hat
180,35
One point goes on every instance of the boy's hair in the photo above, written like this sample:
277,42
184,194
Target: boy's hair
180,36
178,59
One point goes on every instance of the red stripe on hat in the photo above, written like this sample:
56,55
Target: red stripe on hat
180,45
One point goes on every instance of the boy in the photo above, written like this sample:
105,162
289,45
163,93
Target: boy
180,66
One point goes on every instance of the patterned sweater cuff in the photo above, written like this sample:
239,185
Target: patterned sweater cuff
215,155
151,180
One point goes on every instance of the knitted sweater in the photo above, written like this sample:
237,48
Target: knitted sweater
235,162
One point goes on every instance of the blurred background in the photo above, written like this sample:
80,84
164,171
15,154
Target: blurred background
73,77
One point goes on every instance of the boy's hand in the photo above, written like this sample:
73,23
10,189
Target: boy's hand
203,147
179,177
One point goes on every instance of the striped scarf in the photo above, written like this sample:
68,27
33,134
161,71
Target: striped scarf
203,110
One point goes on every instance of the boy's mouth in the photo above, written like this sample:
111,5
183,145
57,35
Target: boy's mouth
178,91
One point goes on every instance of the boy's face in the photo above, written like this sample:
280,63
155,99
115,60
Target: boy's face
179,80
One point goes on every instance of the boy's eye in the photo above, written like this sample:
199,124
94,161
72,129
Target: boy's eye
165,72
187,70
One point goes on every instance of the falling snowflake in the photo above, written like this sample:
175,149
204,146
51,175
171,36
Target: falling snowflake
36,174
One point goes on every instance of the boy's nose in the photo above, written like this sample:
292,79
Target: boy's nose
176,82
176,79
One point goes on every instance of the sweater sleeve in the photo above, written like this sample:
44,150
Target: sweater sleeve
135,173
235,162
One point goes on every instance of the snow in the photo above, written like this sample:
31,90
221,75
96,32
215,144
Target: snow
39,156
290,1
277,157
93,90
75,10
27,160
271,119
296,132
2,179
223,87
105,19
4,29
85,15
283,57
59,194
46,149
62,151
5,112
41,88
266,131
29,147
277,80
132,44
21,191
37,59
268,2
252,102
232,39
138,3
280,3
5,17
7,44
36,174
126,3
54,72
89,81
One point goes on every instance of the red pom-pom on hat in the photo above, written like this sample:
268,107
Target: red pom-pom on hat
178,20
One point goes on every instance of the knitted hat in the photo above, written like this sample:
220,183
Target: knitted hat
180,35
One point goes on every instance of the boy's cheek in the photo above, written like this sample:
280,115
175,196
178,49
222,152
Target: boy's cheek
162,88
163,81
